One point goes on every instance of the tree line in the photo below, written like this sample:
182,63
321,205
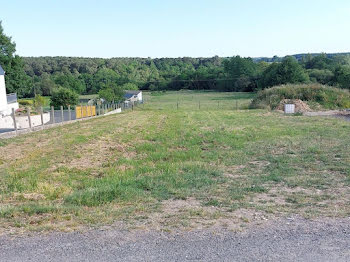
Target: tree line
29,76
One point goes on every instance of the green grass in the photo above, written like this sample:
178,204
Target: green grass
88,96
163,167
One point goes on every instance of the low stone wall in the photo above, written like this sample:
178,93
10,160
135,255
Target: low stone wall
23,121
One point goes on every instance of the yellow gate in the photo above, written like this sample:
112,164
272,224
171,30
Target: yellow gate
85,111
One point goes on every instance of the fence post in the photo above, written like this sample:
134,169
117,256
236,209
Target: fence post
99,109
62,116
14,119
29,119
82,111
53,114
69,114
41,116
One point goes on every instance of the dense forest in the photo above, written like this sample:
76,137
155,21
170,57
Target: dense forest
89,75
29,76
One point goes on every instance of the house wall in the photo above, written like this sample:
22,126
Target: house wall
139,96
3,98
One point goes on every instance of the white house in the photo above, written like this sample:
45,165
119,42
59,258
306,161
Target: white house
7,102
133,95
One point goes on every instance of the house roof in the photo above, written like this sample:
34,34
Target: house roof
2,72
131,93
127,95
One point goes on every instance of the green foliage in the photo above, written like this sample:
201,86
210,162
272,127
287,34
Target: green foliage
322,76
107,94
39,101
342,76
16,79
326,96
129,86
45,85
70,82
112,93
289,71
64,97
242,72
25,102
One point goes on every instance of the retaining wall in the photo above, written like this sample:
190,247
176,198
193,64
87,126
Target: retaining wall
23,121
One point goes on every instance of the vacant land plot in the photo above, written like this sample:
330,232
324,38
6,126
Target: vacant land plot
159,167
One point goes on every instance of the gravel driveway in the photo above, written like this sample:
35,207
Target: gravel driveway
283,240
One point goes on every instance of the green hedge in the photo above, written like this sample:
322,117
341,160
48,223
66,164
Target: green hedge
315,95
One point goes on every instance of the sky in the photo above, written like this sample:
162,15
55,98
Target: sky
161,28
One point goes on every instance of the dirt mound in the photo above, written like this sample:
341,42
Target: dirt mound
300,106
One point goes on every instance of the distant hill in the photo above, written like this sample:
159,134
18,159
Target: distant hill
297,56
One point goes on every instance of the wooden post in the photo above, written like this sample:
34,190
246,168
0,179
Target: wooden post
82,110
42,116
29,119
99,109
14,119
62,116
53,114
69,114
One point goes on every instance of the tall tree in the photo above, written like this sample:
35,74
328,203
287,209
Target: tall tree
288,71
16,79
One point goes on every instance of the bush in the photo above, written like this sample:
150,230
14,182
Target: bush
314,94
287,72
112,93
25,102
39,101
64,97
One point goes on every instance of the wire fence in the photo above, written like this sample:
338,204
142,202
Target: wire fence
200,105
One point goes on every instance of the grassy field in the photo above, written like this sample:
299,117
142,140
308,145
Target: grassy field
159,167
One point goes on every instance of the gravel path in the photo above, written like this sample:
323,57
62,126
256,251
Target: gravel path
283,240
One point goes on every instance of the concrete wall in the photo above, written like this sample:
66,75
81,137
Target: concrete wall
23,121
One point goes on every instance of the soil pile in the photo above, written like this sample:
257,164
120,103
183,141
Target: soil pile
300,106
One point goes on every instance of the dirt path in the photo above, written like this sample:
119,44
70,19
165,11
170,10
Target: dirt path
292,239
